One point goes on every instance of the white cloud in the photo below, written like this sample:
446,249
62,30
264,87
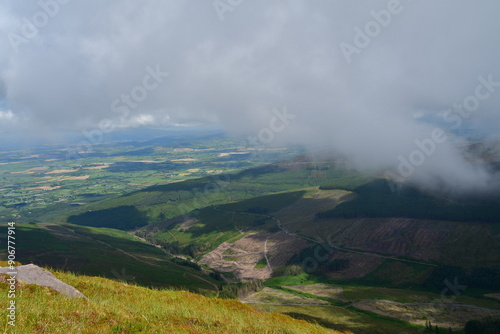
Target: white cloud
137,121
264,55
7,115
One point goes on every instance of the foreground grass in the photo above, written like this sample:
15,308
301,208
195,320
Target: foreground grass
114,307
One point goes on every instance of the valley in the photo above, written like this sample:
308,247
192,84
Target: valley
315,240
37,184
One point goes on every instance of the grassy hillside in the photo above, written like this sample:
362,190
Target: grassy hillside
386,250
115,307
107,253
320,222
43,183
213,225
161,202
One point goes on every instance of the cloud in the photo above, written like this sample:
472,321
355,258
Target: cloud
9,122
6,116
140,120
265,54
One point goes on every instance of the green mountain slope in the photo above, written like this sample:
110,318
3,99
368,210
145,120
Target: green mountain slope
114,307
161,202
107,253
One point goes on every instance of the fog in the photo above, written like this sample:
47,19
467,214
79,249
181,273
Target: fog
376,81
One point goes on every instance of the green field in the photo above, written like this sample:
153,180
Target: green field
160,202
43,183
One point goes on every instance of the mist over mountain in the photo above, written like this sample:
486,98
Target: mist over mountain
393,85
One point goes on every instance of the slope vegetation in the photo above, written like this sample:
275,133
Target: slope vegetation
114,307
105,252
159,203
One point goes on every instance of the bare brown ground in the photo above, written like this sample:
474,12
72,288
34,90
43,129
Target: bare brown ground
59,171
240,261
281,247
31,170
148,161
242,256
45,188
75,178
98,167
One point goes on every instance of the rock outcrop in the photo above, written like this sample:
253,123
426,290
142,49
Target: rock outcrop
33,274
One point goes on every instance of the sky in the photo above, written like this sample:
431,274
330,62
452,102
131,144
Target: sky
374,80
